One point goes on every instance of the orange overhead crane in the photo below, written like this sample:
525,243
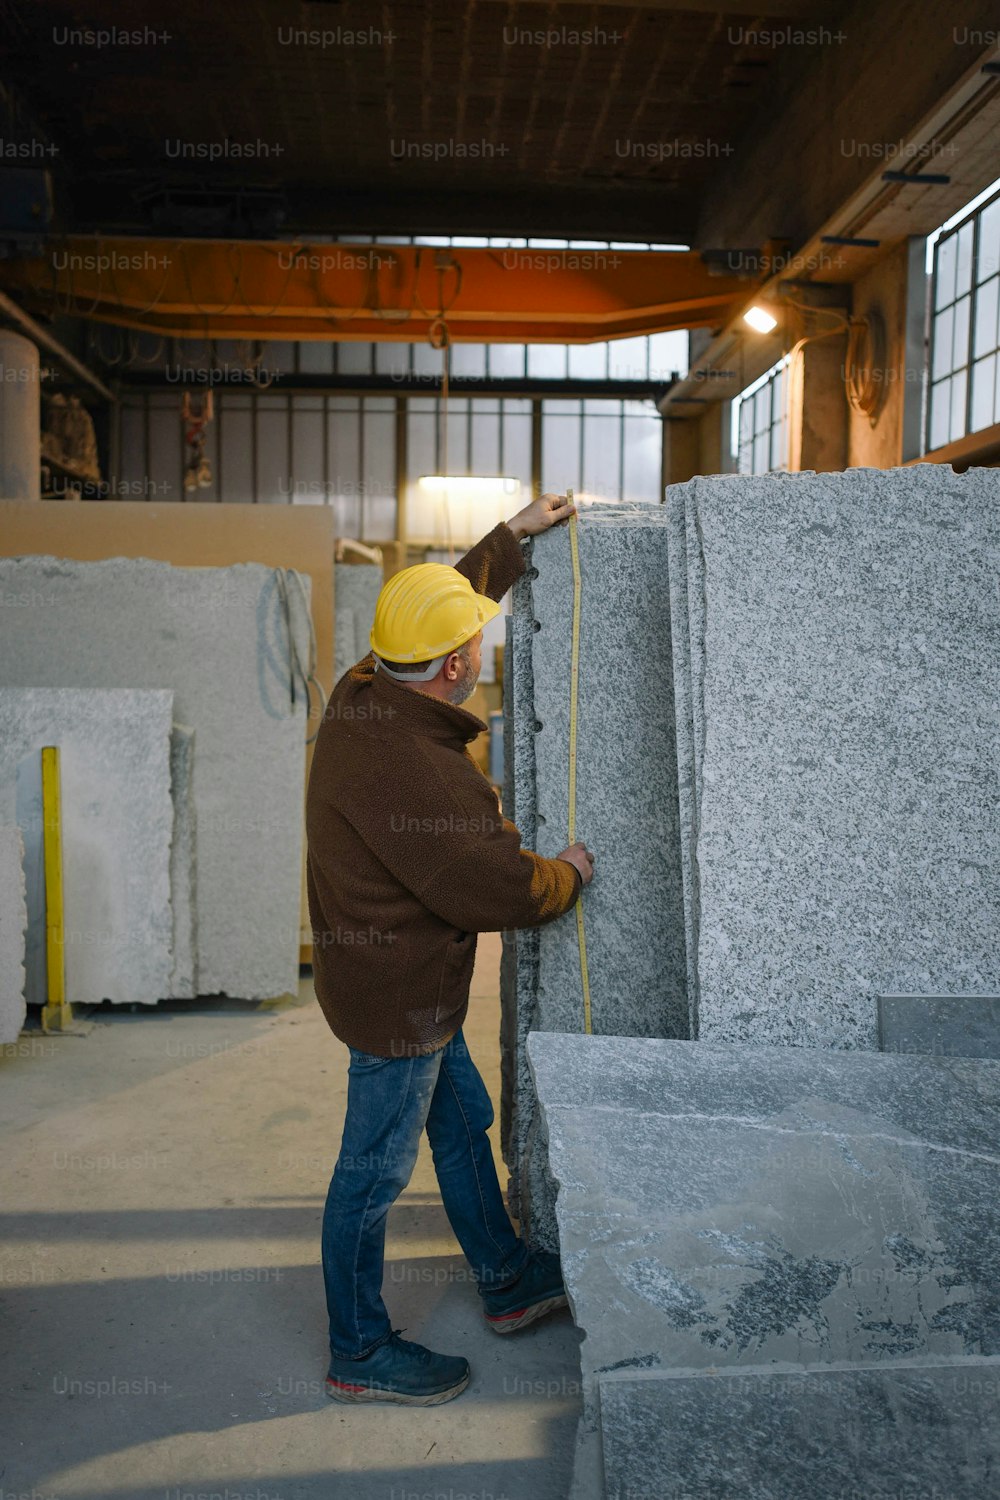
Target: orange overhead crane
246,289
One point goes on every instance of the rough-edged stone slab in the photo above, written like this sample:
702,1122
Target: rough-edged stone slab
182,865
117,826
942,1025
848,839
346,653
519,960
875,1431
684,732
13,922
626,775
356,587
734,1205
626,796
219,637
28,815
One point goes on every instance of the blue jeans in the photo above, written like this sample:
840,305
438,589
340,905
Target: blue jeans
390,1100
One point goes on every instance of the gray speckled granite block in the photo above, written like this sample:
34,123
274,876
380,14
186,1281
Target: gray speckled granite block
345,649
737,1205
356,587
182,865
508,948
13,921
941,1025
519,961
848,838
680,640
117,826
874,1432
219,638
29,818
627,808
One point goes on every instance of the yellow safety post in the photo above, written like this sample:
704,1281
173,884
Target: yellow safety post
574,682
57,1014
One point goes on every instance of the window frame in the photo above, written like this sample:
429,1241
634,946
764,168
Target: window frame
937,315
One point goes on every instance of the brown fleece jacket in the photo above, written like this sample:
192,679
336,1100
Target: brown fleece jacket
409,856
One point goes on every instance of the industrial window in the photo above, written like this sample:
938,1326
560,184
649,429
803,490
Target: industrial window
610,450
964,392
760,423
488,437
279,447
270,448
649,358
660,357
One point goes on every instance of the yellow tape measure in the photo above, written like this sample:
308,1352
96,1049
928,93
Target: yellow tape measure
574,681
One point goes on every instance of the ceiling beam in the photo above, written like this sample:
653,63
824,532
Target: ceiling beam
657,213
849,116
380,293
11,313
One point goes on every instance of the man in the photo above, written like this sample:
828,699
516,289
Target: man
409,858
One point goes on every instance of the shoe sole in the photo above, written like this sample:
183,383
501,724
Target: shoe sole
355,1394
513,1322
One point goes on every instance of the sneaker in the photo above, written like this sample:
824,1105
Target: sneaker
398,1371
537,1291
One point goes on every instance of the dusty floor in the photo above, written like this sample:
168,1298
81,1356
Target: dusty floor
163,1181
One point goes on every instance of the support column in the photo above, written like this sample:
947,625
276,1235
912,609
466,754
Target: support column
20,418
681,449
914,361
817,402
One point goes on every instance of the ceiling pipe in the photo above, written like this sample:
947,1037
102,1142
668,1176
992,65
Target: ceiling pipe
10,311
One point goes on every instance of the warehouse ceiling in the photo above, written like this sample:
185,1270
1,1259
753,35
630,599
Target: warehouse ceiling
256,117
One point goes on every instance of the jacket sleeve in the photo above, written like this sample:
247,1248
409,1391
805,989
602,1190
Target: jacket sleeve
493,884
494,563
451,847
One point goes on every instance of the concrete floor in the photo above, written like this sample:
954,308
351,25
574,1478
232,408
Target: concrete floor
163,1180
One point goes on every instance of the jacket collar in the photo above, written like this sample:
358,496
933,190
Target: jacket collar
421,714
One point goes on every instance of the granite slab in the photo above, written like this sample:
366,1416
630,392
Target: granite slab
943,1025
848,787
29,817
627,806
880,1432
13,924
508,940
519,958
219,639
117,827
721,1206
183,976
684,730
356,587
346,653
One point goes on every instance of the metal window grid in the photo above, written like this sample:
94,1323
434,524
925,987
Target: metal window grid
963,353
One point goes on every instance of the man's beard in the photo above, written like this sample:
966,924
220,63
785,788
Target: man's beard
464,689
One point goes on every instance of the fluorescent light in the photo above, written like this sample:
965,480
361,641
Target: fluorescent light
471,486
759,319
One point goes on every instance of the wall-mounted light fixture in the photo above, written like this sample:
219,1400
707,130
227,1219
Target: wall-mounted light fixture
759,319
864,370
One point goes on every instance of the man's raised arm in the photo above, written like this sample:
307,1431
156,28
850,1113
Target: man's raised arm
493,564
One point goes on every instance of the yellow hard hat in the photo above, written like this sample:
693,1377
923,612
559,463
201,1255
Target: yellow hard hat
426,611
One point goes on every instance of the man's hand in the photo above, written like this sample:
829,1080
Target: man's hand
580,857
546,511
